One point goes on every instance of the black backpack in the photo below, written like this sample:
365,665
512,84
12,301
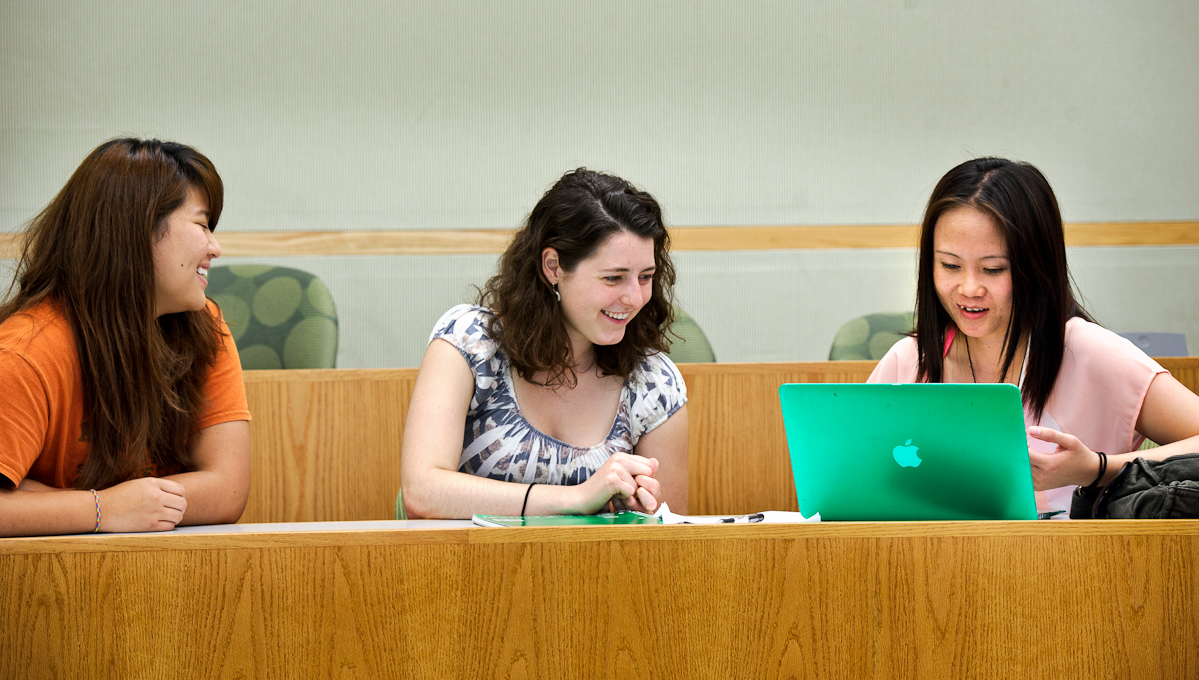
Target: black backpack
1145,489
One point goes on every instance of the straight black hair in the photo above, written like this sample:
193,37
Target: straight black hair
1019,200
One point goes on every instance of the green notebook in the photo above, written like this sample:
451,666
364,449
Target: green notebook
602,519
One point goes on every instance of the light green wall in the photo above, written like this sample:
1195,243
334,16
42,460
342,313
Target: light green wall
457,115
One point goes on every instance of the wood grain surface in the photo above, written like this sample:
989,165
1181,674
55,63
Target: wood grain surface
980,600
326,443
450,242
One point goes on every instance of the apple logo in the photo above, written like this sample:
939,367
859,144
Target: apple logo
906,455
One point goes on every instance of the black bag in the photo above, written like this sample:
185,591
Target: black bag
1145,489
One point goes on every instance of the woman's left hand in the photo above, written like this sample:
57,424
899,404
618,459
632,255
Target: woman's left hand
1071,463
646,498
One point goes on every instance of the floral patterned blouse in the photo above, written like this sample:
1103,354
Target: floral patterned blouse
499,443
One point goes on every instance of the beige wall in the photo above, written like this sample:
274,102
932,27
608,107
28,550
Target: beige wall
457,115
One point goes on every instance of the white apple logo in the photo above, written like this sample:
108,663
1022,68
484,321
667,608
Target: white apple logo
906,455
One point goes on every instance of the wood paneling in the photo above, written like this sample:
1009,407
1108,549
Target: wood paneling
295,243
955,600
326,443
738,460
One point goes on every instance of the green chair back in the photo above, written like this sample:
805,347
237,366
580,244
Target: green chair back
401,511
279,317
869,337
691,345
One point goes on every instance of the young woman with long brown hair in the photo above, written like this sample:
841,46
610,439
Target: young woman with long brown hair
994,304
553,394
123,406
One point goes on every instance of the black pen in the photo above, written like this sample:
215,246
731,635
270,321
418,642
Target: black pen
756,517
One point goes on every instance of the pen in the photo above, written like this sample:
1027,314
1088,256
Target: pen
756,517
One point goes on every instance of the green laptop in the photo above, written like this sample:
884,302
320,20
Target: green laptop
872,452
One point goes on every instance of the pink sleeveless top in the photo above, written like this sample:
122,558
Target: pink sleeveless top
1097,397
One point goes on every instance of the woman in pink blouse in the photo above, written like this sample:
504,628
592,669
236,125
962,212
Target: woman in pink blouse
994,304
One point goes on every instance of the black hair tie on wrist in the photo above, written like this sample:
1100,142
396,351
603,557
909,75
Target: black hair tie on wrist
1102,470
527,491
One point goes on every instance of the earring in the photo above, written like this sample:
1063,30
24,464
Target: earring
557,294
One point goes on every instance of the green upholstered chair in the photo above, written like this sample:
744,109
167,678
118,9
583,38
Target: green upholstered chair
279,317
691,345
869,337
401,513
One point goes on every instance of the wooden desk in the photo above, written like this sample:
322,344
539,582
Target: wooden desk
326,443
920,600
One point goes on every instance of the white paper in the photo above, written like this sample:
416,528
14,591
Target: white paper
767,517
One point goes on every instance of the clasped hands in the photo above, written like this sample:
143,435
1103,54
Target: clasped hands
624,482
1071,463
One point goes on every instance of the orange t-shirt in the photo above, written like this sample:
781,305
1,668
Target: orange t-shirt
43,435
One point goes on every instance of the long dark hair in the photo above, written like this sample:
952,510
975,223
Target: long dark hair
574,217
1019,200
90,253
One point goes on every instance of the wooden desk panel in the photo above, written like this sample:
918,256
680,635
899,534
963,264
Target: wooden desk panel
326,443
738,460
949,600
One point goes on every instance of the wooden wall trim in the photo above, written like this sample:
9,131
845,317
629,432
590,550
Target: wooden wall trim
466,242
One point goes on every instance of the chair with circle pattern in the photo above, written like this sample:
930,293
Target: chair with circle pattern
690,345
279,317
869,337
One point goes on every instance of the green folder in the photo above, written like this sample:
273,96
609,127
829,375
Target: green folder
602,519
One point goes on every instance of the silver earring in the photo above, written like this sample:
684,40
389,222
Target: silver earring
556,293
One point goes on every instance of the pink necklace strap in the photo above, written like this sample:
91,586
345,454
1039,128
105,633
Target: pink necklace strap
950,334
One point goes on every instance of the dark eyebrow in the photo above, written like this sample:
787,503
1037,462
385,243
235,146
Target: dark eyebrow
984,257
623,270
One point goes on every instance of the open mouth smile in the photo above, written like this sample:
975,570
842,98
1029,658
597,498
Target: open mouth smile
623,316
973,312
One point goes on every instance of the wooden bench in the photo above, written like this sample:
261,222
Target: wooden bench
326,443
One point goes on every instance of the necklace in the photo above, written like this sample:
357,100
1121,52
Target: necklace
970,358
1023,364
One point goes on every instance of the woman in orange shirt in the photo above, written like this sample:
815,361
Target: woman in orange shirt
124,408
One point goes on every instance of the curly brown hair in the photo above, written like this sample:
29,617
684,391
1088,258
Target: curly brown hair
576,215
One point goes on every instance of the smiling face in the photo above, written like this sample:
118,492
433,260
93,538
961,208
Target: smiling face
605,291
182,257
972,273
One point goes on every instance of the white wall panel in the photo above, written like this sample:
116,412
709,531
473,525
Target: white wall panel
404,115
394,115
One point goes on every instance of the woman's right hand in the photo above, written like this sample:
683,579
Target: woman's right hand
626,477
146,504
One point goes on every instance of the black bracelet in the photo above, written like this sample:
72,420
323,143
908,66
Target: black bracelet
1102,470
526,503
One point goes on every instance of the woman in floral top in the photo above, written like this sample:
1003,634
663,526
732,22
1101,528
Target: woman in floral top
557,379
